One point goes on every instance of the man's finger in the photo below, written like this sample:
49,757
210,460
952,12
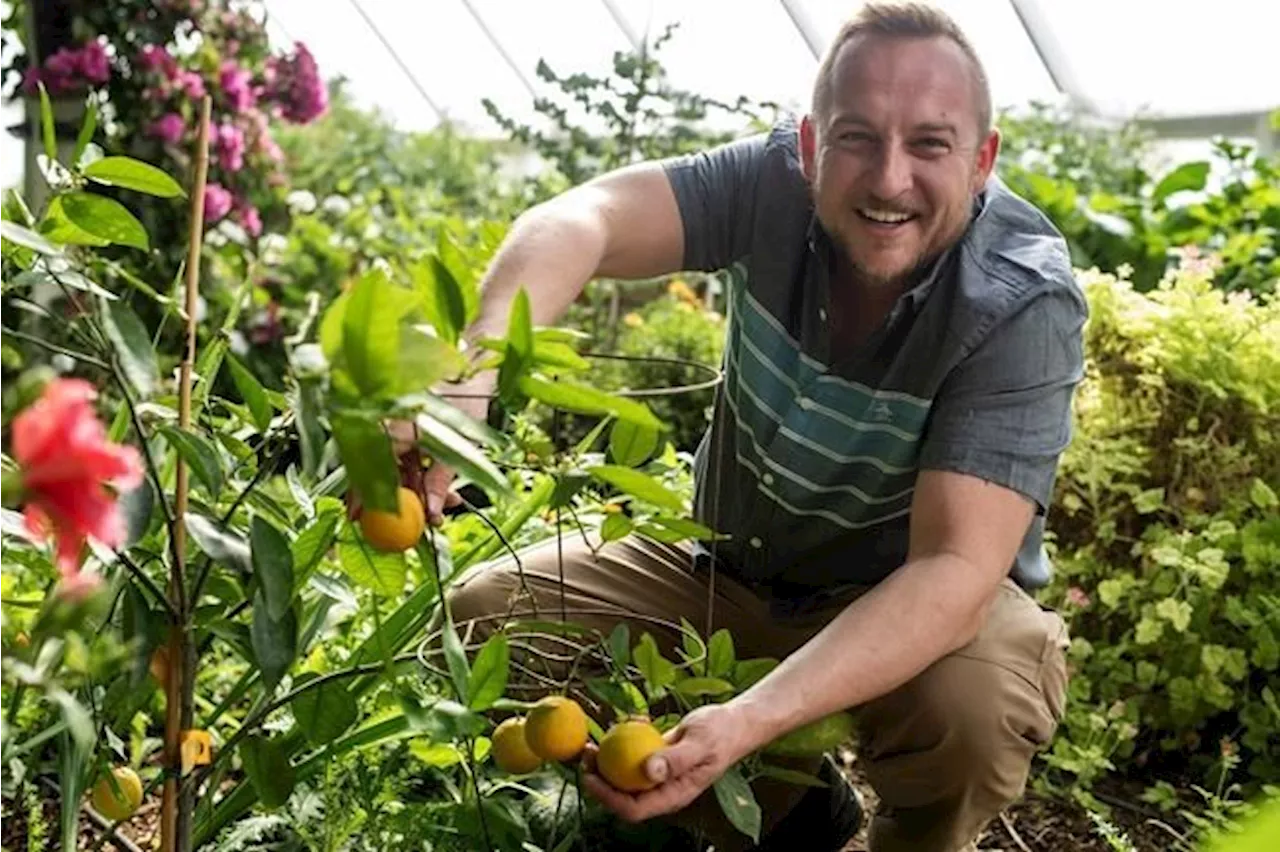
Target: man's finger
675,761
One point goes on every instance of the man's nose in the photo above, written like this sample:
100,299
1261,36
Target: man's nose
891,172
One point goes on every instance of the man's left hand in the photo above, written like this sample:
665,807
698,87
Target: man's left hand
699,750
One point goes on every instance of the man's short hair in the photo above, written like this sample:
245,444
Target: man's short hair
902,20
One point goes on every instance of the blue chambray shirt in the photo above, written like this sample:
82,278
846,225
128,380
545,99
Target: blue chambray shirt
810,464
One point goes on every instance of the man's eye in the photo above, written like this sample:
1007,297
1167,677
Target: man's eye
855,136
932,144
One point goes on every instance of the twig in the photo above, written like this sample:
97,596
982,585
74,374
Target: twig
176,812
1127,805
1013,832
147,458
55,348
142,577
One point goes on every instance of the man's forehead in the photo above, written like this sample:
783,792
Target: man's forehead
928,79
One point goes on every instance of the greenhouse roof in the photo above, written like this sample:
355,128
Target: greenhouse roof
1192,70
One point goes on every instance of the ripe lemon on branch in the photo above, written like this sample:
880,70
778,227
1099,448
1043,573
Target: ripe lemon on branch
117,806
556,728
511,750
397,531
623,752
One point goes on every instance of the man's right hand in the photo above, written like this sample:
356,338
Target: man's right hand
435,484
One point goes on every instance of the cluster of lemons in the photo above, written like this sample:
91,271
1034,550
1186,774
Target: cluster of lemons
555,729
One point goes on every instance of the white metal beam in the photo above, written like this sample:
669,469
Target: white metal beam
502,51
1051,52
804,25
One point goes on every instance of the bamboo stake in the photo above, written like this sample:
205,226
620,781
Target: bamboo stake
175,814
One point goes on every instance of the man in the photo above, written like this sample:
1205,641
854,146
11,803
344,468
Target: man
903,346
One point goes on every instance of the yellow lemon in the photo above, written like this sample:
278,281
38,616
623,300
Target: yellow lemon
556,728
395,531
623,752
510,749
120,806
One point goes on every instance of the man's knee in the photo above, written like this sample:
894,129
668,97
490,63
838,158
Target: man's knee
963,728
482,595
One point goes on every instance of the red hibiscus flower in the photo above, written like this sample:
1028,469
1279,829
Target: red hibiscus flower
66,463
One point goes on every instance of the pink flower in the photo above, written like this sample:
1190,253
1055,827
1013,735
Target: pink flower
93,63
191,83
169,128
1079,597
229,143
66,463
155,57
249,217
237,85
217,202
296,84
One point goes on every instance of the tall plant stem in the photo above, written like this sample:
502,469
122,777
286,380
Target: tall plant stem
177,807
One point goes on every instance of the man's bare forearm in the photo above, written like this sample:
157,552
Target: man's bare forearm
923,611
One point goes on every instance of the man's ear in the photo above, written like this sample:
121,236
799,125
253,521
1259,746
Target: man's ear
987,153
808,148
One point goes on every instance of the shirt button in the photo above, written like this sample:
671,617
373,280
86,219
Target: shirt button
755,542
767,479
822,314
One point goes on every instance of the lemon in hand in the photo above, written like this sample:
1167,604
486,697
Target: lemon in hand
556,728
397,531
623,752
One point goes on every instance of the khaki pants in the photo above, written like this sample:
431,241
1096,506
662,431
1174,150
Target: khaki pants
946,752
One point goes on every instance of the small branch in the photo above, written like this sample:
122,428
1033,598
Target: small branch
59,350
142,577
1008,827
152,471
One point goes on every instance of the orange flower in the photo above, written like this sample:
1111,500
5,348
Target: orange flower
66,461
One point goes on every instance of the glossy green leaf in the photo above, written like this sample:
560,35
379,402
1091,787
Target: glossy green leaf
583,399
132,345
456,419
450,306
251,391
105,218
128,173
424,361
615,527
275,643
371,331
551,354
226,548
270,772
631,445
520,326
443,443
1188,176
58,228
273,566
311,437
366,453
720,654
658,671
617,696
694,687
620,644
638,485
739,803
384,573
681,528
455,657
746,673
200,454
87,128
488,679
47,133
15,233
325,712
463,272
312,543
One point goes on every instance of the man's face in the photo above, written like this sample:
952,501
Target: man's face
898,156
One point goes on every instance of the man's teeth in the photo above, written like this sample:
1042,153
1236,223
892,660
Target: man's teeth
886,216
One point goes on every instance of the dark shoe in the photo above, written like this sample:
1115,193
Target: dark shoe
824,820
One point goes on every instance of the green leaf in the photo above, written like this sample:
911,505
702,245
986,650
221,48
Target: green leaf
371,331
312,543
1149,501
455,657
561,355
814,738
1188,176
747,673
720,654
1262,495
128,173
520,326
424,360
229,549
620,645
694,687
443,443
615,527
582,399
46,125
137,504
371,465
273,566
331,326
638,485
450,308
27,239
658,671
270,772
631,445
132,344
57,227
456,419
683,528
489,674
617,695
324,712
384,573
1176,612
311,438
463,274
792,776
251,391
739,803
275,643
87,129
104,218
199,453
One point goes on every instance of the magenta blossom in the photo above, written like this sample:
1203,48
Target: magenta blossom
155,57
217,202
237,85
93,62
69,69
296,84
191,83
230,146
249,217
169,128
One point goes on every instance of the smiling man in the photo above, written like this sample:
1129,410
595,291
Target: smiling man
903,346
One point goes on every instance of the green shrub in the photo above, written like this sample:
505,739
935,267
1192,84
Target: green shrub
1168,532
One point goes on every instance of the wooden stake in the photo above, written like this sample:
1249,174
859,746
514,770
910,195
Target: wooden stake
175,813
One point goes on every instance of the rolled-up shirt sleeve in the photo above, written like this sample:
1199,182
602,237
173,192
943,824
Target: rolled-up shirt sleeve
715,192
1004,414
